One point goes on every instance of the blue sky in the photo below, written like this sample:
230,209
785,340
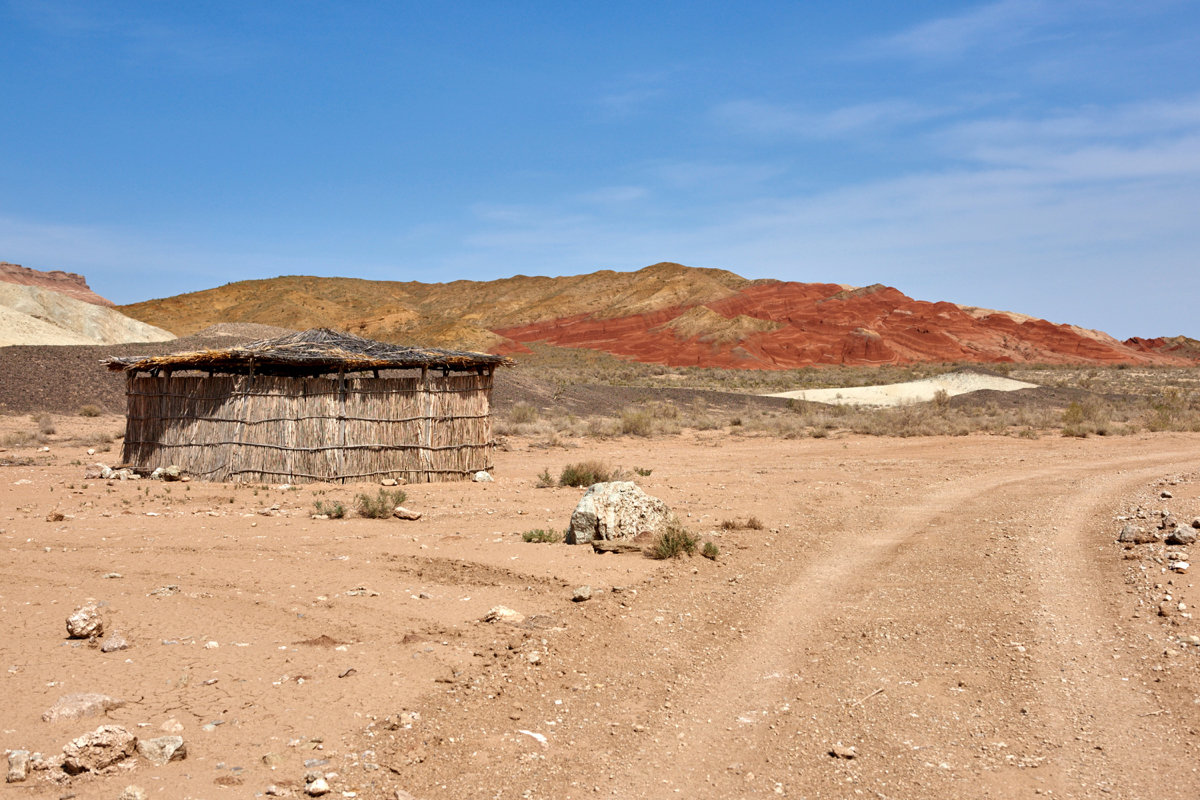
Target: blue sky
1040,157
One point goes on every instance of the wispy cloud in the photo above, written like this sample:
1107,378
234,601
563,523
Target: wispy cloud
995,26
139,37
761,118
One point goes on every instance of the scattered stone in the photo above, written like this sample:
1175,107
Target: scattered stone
113,642
1168,522
840,750
85,621
317,788
55,516
112,576
98,750
617,510
171,473
18,766
388,482
1182,536
534,658
164,591
403,513
96,472
78,706
581,594
1178,566
132,792
1165,495
483,476
601,546
171,726
504,614
162,750
1132,534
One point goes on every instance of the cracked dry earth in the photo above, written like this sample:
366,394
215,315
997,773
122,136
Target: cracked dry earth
919,618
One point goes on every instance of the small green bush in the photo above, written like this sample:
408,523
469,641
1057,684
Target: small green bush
541,536
674,542
645,473
334,510
585,473
381,505
544,480
637,423
710,551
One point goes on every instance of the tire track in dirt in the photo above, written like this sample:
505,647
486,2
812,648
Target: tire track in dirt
746,717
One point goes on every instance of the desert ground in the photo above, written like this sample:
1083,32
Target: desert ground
933,617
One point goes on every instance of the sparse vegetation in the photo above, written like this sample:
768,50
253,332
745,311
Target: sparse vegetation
545,480
586,473
645,473
334,509
46,425
710,551
90,411
750,523
674,542
540,535
381,505
523,414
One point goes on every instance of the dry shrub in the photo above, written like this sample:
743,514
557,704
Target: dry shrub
586,473
674,542
90,411
523,414
381,505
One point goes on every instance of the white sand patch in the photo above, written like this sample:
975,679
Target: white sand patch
895,394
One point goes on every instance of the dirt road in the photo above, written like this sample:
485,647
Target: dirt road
954,614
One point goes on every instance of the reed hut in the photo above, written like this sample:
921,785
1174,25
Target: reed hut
312,406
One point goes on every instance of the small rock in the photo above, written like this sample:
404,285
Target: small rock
1132,534
581,594
112,576
1164,494
78,706
211,645
483,476
840,750
534,658
1178,566
504,614
85,621
162,750
98,750
171,473
403,513
1182,536
96,472
272,760
1168,522
132,792
113,642
388,482
18,766
171,726
317,788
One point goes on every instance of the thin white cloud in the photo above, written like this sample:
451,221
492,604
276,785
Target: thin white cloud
994,26
141,38
760,118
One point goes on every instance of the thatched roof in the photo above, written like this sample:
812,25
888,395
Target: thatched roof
312,352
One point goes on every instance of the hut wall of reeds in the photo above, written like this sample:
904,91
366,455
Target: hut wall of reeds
314,406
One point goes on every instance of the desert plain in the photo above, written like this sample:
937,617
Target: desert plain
925,617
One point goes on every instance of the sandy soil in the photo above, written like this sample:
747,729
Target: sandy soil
955,610
895,394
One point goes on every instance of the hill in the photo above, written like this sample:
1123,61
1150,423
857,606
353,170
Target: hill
666,313
32,315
